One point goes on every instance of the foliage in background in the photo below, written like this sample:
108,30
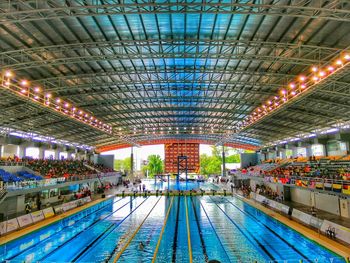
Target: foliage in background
209,164
123,165
212,164
155,165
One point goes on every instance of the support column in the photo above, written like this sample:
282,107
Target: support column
57,154
132,162
22,151
41,152
223,172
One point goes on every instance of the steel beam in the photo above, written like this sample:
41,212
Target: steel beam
15,11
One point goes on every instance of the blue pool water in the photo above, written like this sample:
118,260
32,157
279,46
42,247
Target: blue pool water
174,185
207,227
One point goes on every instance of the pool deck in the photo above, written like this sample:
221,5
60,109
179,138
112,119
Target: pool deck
24,231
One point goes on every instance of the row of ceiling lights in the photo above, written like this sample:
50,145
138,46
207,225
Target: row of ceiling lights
38,95
162,130
300,85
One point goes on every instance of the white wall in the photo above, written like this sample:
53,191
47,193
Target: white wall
9,150
337,148
301,196
344,207
32,152
63,154
318,150
49,154
326,202
301,151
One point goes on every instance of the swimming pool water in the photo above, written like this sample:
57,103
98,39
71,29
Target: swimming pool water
204,227
175,185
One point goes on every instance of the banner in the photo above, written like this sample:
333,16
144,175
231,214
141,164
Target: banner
8,226
58,209
301,216
48,212
37,216
260,198
25,220
316,222
341,232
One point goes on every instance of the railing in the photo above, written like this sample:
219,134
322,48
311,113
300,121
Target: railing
12,163
54,181
339,186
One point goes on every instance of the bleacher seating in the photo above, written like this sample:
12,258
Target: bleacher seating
9,177
59,168
29,176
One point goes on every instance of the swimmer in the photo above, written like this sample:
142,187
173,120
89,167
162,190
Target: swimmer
141,246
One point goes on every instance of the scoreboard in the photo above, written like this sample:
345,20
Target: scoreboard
173,150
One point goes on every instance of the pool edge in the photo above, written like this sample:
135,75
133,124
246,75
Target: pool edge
309,233
46,222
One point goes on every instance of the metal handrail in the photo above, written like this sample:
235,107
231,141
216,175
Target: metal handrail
53,181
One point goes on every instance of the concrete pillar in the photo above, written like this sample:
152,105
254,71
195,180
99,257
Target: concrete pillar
69,155
22,151
57,154
132,162
283,153
41,152
223,172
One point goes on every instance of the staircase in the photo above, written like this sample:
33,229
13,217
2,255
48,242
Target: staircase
92,168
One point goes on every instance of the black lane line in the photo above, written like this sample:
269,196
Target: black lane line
111,228
176,230
216,234
271,230
36,244
255,239
146,243
200,232
97,221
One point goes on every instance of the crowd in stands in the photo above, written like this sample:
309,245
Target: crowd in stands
48,169
268,192
309,170
59,168
335,168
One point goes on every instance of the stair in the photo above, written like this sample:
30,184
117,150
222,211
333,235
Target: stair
91,168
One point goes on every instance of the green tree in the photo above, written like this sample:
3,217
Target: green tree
123,165
210,164
155,165
234,158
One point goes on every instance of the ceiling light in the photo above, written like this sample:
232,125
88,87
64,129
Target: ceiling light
339,62
8,74
24,82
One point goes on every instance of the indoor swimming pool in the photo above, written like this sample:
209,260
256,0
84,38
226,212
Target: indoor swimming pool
171,229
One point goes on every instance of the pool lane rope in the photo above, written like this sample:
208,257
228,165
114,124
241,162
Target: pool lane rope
200,231
162,231
188,232
134,234
65,227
